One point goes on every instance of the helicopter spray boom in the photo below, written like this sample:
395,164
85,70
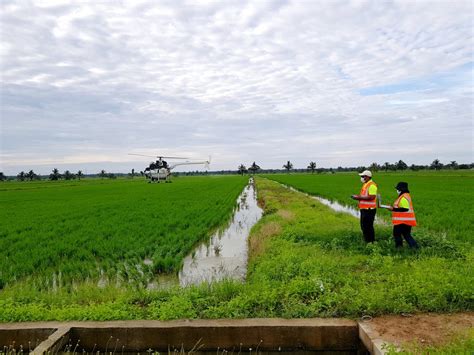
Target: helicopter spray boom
205,162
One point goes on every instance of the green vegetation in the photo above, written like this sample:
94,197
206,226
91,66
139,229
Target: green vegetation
57,233
306,261
443,201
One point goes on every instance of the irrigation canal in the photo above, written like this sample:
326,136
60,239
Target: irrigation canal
225,253
334,205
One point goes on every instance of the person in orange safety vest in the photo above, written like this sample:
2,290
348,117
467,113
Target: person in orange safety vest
367,205
403,217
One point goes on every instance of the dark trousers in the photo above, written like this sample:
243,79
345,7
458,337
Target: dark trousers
404,230
367,217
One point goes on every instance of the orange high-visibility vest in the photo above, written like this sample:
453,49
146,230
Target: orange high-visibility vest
404,217
365,192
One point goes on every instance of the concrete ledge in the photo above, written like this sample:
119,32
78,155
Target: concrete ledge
371,339
54,343
27,338
268,334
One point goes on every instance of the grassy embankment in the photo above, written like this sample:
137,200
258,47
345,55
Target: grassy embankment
54,234
443,201
306,261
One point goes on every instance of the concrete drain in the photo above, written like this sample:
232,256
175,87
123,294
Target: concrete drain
222,336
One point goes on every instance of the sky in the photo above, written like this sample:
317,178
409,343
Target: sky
341,83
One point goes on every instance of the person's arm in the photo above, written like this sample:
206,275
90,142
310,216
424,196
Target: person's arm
366,198
370,197
399,209
403,202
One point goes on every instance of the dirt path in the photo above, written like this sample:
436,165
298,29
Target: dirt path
427,329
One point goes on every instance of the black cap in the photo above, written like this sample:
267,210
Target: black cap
402,186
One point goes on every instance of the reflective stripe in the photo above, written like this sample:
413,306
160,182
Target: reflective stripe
365,192
407,217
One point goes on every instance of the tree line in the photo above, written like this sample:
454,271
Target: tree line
252,169
55,175
397,166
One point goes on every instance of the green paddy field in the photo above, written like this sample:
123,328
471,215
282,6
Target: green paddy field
305,260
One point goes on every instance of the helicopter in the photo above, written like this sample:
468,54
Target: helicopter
160,170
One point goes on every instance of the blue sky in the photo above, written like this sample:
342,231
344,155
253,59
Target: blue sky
337,82
440,81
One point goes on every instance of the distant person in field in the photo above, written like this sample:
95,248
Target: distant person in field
367,205
403,217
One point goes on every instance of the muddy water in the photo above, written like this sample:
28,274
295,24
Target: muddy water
224,255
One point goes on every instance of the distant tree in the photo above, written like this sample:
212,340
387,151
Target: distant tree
288,166
453,164
386,166
21,176
312,167
55,175
133,173
142,173
102,174
31,175
401,165
242,169
111,176
254,168
68,175
374,167
436,165
79,174
2,176
414,167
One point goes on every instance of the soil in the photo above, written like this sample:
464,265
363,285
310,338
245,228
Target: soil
427,329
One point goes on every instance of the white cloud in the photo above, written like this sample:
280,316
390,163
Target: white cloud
248,80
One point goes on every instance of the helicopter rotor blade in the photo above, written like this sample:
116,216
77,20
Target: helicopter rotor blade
142,155
156,156
172,157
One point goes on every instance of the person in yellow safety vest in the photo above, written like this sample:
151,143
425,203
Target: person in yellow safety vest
367,205
403,217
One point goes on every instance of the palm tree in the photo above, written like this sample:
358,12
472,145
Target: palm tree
401,165
55,175
31,175
241,169
312,166
102,173
288,166
453,164
254,168
436,164
374,167
68,175
80,174
21,176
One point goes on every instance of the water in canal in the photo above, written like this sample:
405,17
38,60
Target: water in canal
225,253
